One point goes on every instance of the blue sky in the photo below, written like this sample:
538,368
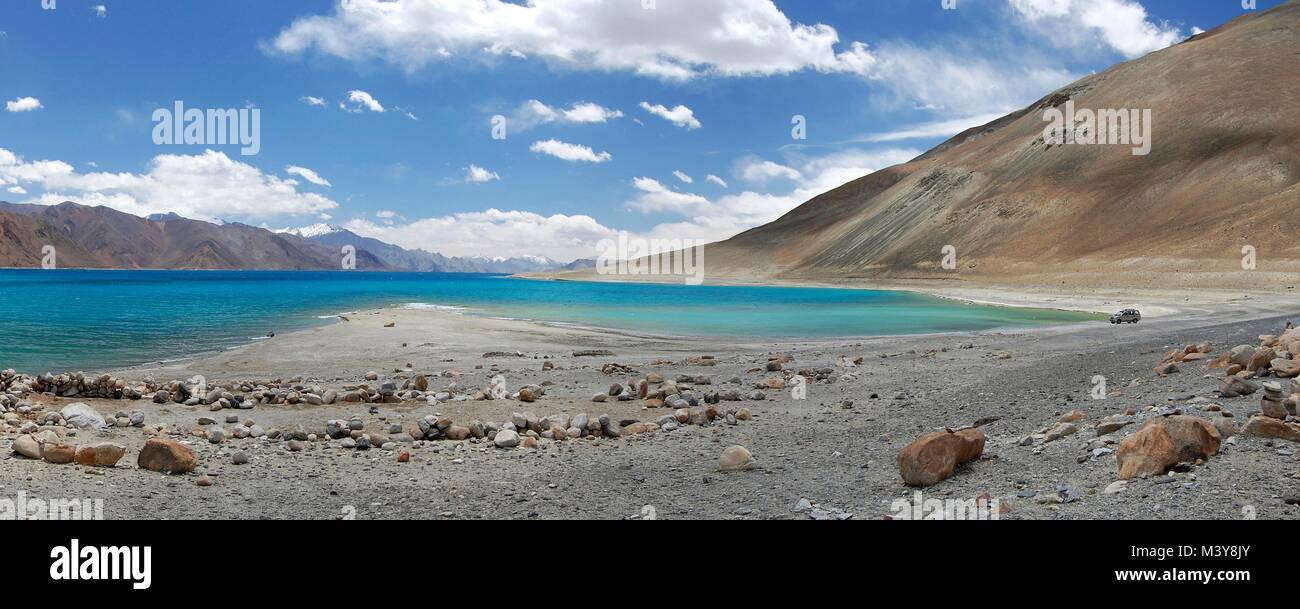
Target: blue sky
877,81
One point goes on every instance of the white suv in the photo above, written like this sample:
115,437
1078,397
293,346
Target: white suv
1127,316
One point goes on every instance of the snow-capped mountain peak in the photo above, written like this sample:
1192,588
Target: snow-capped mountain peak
315,230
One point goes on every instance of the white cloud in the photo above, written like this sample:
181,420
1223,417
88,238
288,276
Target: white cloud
360,101
518,233
204,186
570,152
101,11
762,171
23,104
716,180
714,220
679,115
312,100
307,174
17,190
958,81
496,233
681,175
676,41
476,174
657,197
1122,25
944,128
533,113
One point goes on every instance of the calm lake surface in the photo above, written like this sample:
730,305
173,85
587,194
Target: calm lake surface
68,320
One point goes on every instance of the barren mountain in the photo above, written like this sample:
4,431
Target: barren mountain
1221,175
100,237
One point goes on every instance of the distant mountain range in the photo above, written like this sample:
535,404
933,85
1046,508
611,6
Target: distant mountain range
102,237
420,260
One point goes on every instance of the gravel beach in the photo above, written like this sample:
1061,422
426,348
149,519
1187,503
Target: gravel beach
831,455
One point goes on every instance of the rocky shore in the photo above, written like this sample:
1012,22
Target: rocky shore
651,427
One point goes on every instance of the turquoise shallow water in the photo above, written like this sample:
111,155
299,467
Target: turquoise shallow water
92,320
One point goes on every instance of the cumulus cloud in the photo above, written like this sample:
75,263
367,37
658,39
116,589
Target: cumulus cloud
679,115
312,100
307,174
23,104
761,171
685,215
533,113
570,152
657,197
717,219
205,186
100,10
476,174
676,41
494,232
17,190
1121,25
716,180
361,101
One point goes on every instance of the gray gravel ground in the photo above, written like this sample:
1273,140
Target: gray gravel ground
814,449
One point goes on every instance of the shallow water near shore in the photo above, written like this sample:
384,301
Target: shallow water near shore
88,320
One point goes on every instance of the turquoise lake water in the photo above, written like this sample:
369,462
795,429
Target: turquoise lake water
68,320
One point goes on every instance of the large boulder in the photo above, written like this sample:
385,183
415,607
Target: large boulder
58,453
83,416
100,454
1235,386
1165,442
27,446
1261,359
167,456
933,457
1262,426
1286,368
736,459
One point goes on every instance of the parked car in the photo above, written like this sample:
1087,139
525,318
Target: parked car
1127,316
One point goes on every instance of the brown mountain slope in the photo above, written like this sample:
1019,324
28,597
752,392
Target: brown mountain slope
100,237
1221,174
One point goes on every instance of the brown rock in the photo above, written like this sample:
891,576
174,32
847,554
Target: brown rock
933,457
736,459
742,414
1072,416
1235,386
100,454
682,415
526,395
1267,427
27,446
654,403
59,453
421,382
404,456
167,456
1285,368
1167,368
1165,442
456,433
529,442
1261,359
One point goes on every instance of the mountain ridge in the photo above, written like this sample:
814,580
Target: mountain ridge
101,237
